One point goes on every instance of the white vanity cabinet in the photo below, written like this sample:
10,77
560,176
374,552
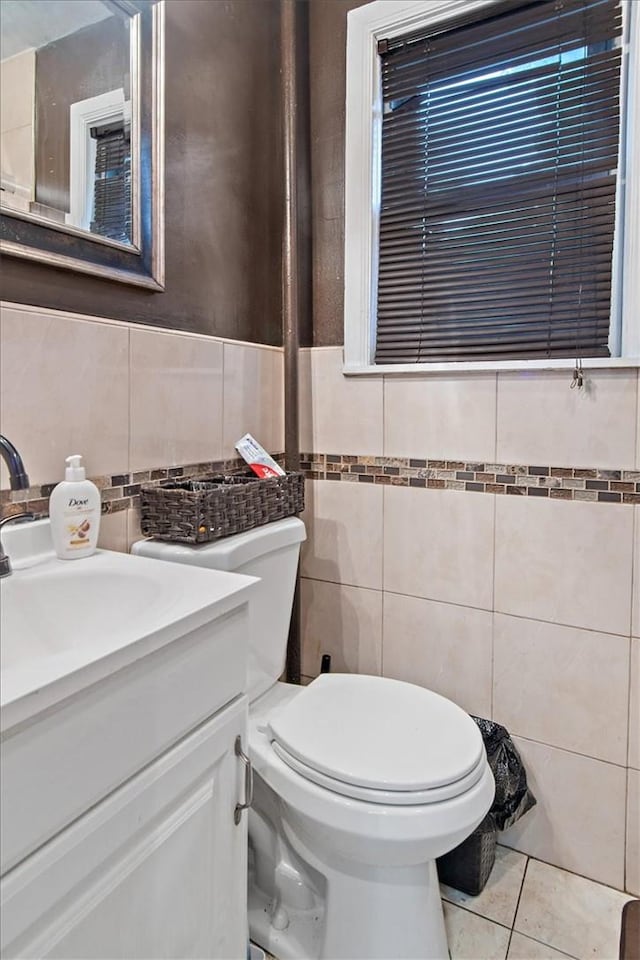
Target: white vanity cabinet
122,697
156,869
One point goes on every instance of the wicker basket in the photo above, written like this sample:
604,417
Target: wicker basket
467,868
198,511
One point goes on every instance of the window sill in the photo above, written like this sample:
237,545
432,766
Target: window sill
487,366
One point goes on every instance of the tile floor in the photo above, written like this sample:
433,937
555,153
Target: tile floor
530,910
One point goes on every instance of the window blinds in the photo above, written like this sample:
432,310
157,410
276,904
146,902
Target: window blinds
112,187
499,155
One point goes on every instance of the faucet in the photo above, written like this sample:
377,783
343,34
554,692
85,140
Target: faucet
19,481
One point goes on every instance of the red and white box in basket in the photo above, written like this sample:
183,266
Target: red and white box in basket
257,457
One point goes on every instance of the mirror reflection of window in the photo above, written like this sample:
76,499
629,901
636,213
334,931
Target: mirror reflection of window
66,114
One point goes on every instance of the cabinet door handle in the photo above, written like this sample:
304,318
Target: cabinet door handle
248,782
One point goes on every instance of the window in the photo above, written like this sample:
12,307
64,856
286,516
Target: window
112,182
495,147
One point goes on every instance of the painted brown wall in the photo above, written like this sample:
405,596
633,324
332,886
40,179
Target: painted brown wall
81,65
327,65
223,186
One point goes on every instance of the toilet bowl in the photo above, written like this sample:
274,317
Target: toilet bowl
360,783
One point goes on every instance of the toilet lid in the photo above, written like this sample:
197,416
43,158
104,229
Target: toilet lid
378,733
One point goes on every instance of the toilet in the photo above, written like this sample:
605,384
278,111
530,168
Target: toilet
360,783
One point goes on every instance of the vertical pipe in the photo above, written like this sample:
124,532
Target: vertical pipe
290,307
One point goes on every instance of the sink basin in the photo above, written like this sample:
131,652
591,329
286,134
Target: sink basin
52,609
67,623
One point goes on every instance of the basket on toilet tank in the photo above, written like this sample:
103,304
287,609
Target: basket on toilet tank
203,509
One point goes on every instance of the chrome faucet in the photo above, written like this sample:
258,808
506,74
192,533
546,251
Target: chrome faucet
19,480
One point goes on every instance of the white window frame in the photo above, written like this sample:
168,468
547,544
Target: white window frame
107,107
389,18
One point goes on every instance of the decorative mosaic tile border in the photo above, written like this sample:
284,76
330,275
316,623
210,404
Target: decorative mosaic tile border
119,491
555,483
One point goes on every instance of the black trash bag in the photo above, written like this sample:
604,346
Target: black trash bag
513,797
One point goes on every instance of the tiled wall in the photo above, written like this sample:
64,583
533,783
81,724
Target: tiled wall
521,608
129,399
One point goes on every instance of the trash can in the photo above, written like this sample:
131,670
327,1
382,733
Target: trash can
467,868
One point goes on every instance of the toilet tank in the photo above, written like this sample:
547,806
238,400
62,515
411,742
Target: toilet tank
269,552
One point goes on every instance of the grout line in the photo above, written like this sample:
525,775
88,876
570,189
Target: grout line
515,914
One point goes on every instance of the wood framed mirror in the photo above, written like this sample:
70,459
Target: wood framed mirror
82,136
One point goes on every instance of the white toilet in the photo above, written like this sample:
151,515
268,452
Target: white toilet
360,783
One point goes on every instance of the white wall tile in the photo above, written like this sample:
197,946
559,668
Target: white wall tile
632,883
344,533
547,679
635,610
638,424
572,914
441,646
345,413
542,421
64,388
441,417
578,822
438,545
253,397
113,532
634,705
133,526
176,399
345,622
564,562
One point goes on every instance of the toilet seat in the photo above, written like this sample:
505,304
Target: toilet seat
391,797
349,734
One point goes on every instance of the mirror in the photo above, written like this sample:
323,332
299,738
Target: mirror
81,91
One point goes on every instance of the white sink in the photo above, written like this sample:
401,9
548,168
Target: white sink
107,662
67,623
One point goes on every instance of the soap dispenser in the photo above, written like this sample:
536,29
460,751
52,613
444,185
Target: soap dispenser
74,511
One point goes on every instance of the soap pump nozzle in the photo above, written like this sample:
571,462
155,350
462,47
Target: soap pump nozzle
74,471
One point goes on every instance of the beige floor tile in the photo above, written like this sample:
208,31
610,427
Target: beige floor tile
570,913
524,948
471,937
499,899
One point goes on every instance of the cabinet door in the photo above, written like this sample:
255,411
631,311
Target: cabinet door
156,870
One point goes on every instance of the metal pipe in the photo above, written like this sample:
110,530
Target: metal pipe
290,306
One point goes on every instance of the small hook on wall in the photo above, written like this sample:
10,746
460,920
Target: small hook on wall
578,376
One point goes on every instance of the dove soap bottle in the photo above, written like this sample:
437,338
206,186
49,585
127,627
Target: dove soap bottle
74,511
